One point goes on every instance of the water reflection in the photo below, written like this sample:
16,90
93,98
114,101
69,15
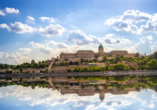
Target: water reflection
78,93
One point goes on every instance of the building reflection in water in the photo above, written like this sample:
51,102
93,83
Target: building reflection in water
86,87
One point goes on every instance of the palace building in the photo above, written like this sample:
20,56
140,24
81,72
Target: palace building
90,54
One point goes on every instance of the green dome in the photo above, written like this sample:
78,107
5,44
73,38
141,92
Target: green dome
100,46
102,98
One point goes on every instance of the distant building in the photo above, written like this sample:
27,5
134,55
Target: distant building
32,61
90,54
33,87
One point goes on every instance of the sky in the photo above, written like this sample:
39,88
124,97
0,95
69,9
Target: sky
43,29
17,97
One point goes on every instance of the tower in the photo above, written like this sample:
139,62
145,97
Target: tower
32,61
100,49
101,95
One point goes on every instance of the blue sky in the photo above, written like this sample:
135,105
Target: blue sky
41,30
17,97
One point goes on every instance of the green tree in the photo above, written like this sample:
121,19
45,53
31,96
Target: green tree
2,66
77,69
133,68
118,58
21,70
107,68
126,68
66,59
105,58
111,68
151,57
69,70
70,63
155,55
119,67
82,60
76,63
62,63
137,55
111,60
85,69
142,57
152,63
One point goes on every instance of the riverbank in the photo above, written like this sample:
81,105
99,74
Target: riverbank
106,73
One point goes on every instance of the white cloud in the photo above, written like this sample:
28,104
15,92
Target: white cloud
149,37
80,38
48,19
5,26
11,10
149,27
60,44
25,49
15,58
128,22
73,26
30,18
52,48
2,13
51,30
18,27
110,35
145,45
131,49
42,47
49,99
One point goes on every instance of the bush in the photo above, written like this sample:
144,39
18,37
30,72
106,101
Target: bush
62,63
69,70
66,59
77,69
127,69
85,69
76,63
119,67
107,68
133,68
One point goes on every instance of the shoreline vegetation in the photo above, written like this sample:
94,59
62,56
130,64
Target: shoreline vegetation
118,82
144,63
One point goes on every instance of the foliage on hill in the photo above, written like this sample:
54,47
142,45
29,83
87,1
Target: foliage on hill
24,65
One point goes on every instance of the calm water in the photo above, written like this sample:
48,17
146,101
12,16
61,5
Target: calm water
25,98
79,93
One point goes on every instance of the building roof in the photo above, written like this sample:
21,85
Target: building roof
101,98
100,46
85,50
132,53
118,51
68,53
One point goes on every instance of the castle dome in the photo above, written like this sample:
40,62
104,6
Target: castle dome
100,46
101,98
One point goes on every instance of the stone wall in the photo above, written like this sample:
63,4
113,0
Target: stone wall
29,70
59,68
83,65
